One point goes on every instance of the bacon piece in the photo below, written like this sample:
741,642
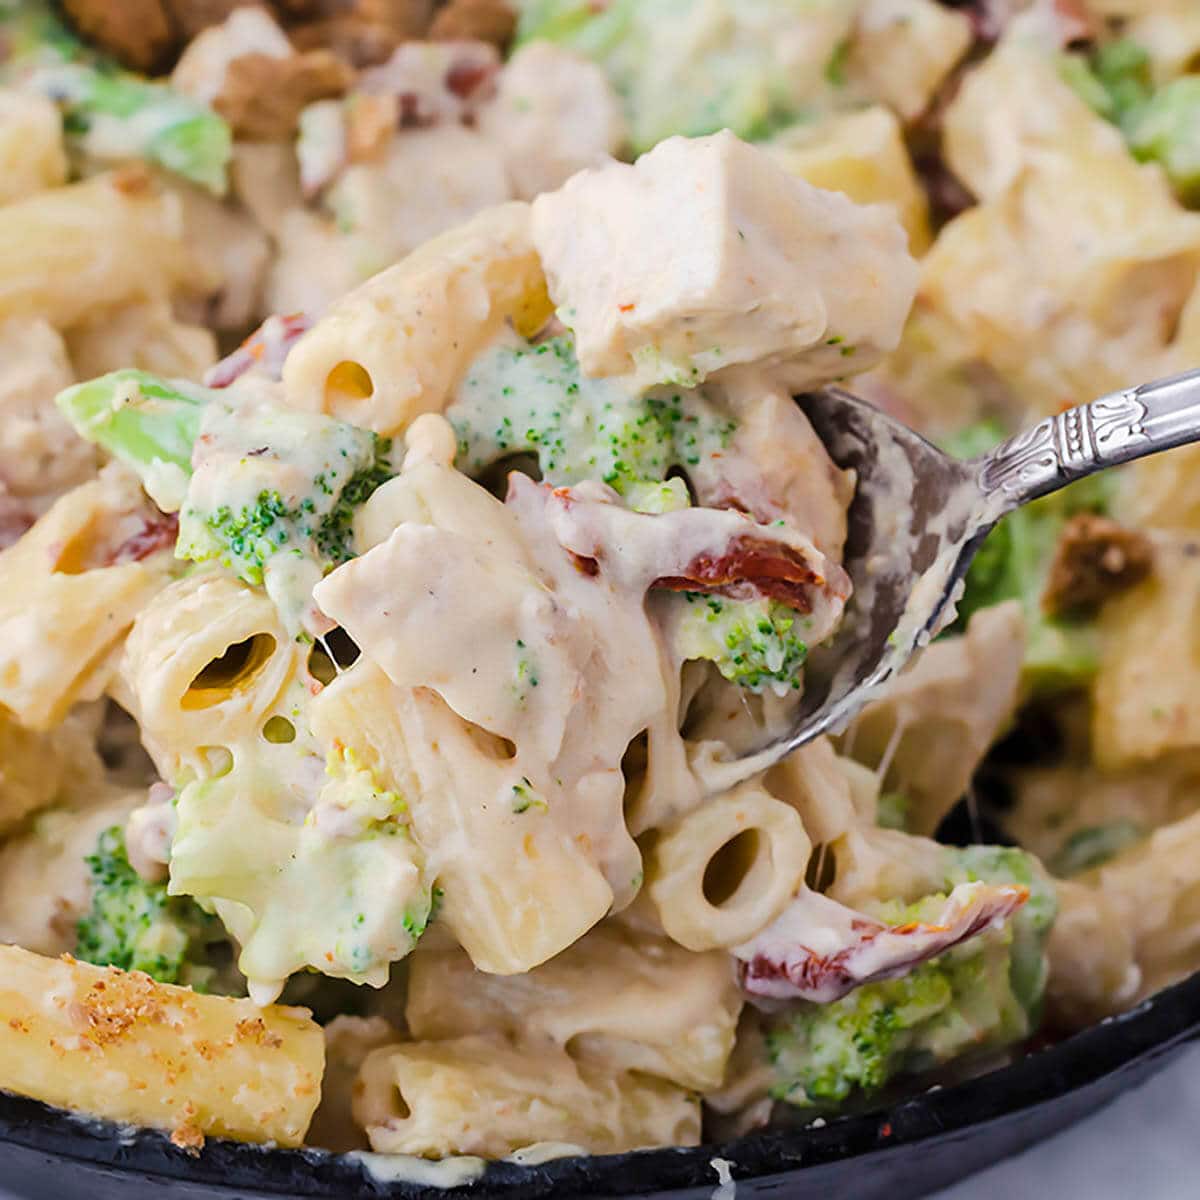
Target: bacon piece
157,533
262,96
15,519
140,34
1095,558
492,21
265,349
820,950
436,82
760,567
711,550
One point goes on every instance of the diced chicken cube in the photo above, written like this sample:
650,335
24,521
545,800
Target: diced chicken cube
554,113
706,253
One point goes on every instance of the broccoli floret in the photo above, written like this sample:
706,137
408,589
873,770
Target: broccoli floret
110,114
269,493
344,893
985,992
273,495
1030,925
136,926
1114,81
736,76
335,535
1160,125
1013,564
821,1053
753,643
1166,129
533,399
1087,848
313,519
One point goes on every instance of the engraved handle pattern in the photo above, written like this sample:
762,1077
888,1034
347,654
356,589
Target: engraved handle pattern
1114,429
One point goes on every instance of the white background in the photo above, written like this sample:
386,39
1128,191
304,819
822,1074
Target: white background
1145,1146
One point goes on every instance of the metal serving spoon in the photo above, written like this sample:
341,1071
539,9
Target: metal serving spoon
919,516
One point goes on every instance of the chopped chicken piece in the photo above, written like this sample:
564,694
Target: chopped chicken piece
554,114
706,253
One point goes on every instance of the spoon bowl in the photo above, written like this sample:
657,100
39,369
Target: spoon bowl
912,530
919,516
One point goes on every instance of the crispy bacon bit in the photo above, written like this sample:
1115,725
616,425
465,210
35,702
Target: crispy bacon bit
157,533
1095,558
754,565
262,96
435,82
138,33
265,349
464,78
784,962
15,519
476,20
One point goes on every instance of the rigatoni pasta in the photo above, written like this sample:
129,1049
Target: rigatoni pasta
127,1048
482,1095
73,586
395,667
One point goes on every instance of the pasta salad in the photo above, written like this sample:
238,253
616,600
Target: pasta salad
406,522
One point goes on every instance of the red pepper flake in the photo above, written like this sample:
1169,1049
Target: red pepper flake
885,1130
626,307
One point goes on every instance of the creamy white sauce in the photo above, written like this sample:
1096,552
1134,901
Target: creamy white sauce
405,1168
544,1152
726,1189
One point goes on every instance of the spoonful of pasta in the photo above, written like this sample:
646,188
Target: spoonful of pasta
919,516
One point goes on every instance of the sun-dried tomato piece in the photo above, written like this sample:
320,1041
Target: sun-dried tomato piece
754,566
157,533
780,964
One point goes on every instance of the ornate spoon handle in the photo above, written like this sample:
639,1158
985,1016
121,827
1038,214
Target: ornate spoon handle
1116,428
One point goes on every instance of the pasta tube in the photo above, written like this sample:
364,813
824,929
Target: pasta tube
618,999
725,871
124,1047
481,1095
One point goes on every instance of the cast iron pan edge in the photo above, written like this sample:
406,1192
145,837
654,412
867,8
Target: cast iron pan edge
899,1152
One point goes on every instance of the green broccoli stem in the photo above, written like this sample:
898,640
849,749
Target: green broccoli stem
142,420
1166,130
1159,124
